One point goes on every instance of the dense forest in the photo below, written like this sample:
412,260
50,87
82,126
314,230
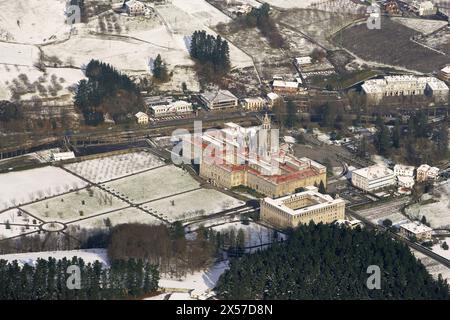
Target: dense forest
106,91
330,262
47,280
213,53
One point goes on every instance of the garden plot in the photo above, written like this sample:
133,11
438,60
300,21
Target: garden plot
32,21
24,186
193,204
128,215
75,205
14,223
154,184
437,210
113,167
15,230
16,216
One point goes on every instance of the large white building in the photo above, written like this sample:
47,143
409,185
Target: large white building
405,85
173,108
135,7
301,208
221,99
373,178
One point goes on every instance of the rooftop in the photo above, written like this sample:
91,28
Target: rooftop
220,95
415,227
315,199
374,172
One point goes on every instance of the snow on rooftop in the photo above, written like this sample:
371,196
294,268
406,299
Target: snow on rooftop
374,172
415,227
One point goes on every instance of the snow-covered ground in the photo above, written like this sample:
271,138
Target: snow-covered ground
437,248
32,21
23,186
160,182
107,168
88,255
436,213
433,267
422,25
17,224
128,215
18,54
70,207
200,283
255,234
192,204
9,77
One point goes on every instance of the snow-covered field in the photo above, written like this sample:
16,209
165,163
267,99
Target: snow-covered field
9,75
154,184
24,186
436,213
128,215
88,255
113,167
193,204
70,207
32,21
18,54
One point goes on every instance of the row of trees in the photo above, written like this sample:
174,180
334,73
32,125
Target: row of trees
211,51
330,262
260,18
49,279
106,91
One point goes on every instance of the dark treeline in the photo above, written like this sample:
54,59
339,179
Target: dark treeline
329,262
47,280
10,111
211,51
417,142
260,18
106,91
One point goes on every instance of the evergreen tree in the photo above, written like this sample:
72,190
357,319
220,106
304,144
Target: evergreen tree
160,69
